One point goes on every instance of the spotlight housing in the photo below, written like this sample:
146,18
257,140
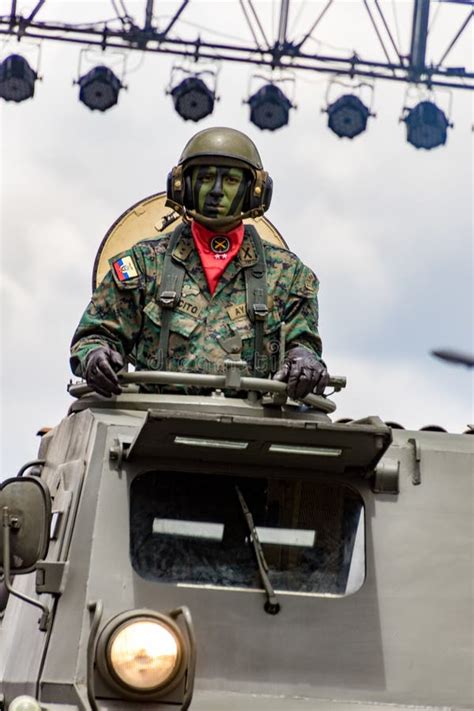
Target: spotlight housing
269,108
427,125
17,79
143,655
192,98
99,88
347,116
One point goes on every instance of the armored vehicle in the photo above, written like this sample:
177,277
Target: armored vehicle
235,551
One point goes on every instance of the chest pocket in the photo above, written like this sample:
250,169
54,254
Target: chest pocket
181,323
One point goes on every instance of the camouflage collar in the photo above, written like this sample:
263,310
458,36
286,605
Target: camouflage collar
185,253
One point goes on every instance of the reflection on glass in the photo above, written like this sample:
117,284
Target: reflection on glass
189,529
192,529
215,531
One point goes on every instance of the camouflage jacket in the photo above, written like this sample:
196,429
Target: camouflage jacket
126,315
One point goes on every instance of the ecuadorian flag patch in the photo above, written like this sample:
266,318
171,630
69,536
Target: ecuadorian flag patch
125,268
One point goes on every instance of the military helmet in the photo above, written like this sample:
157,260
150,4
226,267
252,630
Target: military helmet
222,143
220,146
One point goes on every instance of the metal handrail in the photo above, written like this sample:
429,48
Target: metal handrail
263,385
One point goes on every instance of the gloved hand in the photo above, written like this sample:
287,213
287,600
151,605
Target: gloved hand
303,372
100,371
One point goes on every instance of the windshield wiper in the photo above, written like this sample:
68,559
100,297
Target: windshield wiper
272,606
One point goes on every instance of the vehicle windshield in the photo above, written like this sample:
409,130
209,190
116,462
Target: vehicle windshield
189,529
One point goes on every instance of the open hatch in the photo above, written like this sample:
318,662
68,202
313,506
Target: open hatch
207,442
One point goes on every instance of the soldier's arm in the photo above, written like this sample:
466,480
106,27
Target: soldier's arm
114,315
301,312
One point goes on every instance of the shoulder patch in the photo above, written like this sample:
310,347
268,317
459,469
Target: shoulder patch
306,283
310,284
247,254
124,270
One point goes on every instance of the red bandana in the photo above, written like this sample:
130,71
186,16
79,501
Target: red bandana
216,250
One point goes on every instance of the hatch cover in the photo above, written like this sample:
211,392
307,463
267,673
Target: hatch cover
194,440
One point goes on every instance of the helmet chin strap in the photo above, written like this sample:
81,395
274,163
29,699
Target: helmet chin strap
221,224
216,224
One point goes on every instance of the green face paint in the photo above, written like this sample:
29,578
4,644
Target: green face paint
218,191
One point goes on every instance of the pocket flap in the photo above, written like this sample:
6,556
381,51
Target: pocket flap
181,323
153,311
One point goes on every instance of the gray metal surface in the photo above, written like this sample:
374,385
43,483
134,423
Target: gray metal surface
263,385
230,701
404,640
319,446
218,701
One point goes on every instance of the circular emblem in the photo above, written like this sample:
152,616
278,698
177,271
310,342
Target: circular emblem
220,244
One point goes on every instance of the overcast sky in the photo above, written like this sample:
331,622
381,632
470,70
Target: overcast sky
387,228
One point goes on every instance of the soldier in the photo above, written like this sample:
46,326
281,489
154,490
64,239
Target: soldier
185,300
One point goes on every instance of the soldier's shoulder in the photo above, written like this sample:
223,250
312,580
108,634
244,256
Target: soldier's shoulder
136,265
291,272
280,254
153,245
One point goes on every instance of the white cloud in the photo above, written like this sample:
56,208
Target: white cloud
413,394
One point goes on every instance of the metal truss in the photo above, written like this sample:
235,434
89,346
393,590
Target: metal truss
124,32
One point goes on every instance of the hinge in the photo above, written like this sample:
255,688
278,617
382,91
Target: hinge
51,576
416,473
386,478
116,454
118,451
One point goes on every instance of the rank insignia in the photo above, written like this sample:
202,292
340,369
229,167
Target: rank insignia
310,284
220,244
125,268
247,254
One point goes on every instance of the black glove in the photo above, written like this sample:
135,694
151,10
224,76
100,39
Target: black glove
303,372
101,366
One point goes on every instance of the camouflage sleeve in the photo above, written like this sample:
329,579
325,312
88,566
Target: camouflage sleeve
301,312
114,315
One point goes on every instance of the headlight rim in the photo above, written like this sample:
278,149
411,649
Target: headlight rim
104,643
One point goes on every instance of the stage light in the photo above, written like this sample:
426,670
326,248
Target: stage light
17,79
99,88
192,99
427,125
347,116
269,108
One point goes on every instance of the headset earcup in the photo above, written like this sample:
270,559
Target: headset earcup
175,186
267,192
264,198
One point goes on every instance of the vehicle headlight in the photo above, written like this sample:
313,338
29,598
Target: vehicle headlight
144,654
24,703
141,652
